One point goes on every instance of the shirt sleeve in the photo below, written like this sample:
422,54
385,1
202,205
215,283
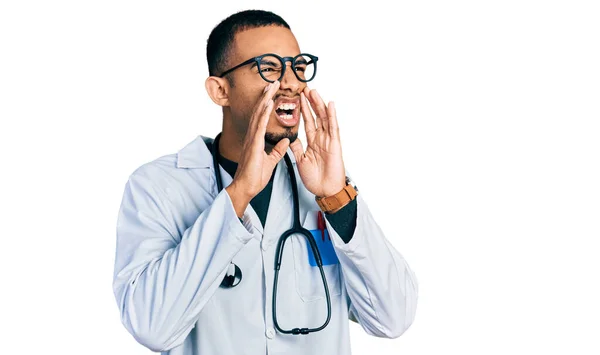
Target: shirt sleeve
163,278
344,221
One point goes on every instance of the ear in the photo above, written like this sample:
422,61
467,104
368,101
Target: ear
218,90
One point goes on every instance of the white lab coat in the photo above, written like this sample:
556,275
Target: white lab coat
176,238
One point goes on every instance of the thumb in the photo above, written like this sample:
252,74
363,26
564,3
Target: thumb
279,151
297,149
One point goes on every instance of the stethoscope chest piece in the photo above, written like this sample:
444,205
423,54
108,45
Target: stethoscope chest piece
233,276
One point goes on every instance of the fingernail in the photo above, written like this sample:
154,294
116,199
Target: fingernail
267,87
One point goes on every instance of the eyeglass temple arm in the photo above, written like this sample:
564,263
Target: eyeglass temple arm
237,66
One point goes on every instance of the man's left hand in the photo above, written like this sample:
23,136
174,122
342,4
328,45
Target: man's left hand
321,166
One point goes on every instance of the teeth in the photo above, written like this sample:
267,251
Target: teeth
286,117
286,107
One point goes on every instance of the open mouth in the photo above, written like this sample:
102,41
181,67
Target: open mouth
285,110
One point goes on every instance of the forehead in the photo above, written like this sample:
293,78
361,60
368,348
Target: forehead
269,39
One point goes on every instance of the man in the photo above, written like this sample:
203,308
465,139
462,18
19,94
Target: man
195,264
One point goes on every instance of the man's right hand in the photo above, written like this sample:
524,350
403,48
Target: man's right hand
256,166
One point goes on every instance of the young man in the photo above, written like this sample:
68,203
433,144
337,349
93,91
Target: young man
195,269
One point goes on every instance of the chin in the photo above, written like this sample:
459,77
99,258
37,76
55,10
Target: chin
273,138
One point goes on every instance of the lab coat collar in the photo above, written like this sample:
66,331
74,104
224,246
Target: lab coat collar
196,155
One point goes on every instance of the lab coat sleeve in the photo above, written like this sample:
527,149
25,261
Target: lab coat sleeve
162,278
381,286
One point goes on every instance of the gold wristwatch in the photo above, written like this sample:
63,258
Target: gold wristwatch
342,198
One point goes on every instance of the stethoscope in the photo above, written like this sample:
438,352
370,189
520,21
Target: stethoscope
234,274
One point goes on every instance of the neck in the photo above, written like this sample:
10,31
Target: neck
231,143
230,146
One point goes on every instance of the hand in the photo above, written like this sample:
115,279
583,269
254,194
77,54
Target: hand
321,166
256,166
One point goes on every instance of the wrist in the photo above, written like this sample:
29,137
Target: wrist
239,192
335,202
239,199
334,190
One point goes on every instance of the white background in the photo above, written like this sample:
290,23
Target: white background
471,128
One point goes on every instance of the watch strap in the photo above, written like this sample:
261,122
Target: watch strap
334,202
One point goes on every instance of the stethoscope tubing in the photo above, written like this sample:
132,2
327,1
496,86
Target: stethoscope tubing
296,229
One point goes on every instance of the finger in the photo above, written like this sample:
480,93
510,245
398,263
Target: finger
311,105
257,115
278,152
333,123
309,120
271,90
319,108
297,149
260,118
258,142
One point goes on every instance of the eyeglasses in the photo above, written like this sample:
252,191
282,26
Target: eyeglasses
271,67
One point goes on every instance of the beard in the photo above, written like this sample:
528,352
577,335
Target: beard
273,138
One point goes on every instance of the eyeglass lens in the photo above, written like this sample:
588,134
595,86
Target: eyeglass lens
270,68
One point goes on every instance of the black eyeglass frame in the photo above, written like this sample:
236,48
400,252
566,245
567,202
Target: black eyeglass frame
283,61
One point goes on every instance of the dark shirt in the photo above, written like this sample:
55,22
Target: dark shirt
343,221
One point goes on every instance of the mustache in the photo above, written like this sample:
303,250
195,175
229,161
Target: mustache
286,96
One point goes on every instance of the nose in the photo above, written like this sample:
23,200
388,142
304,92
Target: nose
290,81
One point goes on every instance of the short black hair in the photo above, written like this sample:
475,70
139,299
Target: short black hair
221,37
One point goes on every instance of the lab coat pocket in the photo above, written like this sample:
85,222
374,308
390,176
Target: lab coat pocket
309,283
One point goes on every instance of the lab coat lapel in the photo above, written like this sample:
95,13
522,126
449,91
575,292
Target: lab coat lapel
280,213
227,179
197,155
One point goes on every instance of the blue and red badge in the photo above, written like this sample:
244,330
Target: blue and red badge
315,223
